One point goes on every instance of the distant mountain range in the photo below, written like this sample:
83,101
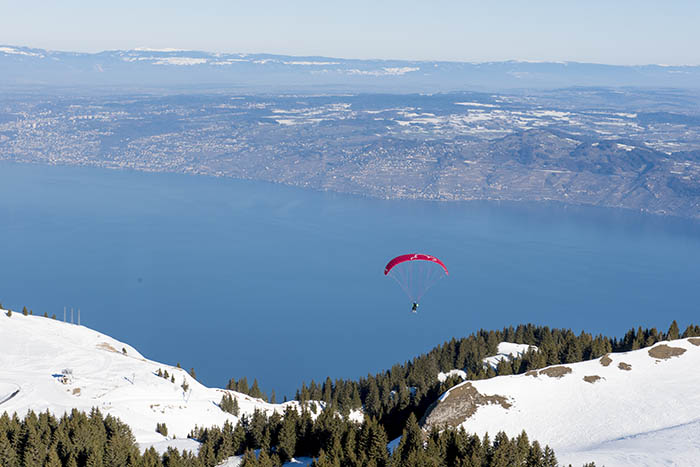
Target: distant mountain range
142,68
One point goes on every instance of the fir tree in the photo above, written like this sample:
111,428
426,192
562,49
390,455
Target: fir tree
52,460
411,441
549,459
150,458
249,459
673,332
8,456
255,390
264,459
287,436
162,429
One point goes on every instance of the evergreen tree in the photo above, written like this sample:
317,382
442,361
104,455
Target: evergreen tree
162,429
549,459
411,441
264,459
255,390
287,436
373,403
522,447
243,386
33,453
8,455
150,458
52,459
536,456
249,459
229,404
375,442
673,332
503,453
235,408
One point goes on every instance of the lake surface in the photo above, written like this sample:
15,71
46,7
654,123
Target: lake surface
238,278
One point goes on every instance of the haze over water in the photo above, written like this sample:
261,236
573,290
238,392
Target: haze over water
240,278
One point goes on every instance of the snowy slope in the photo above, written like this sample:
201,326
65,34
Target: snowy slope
35,351
632,409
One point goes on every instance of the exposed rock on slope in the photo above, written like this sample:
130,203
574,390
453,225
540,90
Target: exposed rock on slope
609,410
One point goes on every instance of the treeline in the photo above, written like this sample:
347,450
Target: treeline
333,441
241,385
91,440
77,440
393,395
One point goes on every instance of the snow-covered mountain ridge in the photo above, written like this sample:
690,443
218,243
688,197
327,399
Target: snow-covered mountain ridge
47,364
168,67
625,409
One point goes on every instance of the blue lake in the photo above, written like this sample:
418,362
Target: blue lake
238,278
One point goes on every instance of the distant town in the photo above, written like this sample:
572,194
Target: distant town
630,148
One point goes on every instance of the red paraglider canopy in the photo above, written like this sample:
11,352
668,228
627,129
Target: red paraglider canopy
413,257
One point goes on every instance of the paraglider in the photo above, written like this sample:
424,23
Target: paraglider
416,273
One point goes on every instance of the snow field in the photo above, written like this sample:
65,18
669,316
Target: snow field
47,364
646,415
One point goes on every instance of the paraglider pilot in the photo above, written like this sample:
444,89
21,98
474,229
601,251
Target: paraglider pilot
414,308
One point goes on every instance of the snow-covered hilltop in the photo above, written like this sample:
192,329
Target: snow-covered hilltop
634,408
47,364
624,409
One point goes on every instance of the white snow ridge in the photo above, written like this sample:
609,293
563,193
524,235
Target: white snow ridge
507,351
51,365
638,408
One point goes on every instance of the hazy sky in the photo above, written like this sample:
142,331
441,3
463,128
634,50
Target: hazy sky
604,31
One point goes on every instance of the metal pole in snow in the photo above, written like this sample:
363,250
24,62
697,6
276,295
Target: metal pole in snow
78,316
